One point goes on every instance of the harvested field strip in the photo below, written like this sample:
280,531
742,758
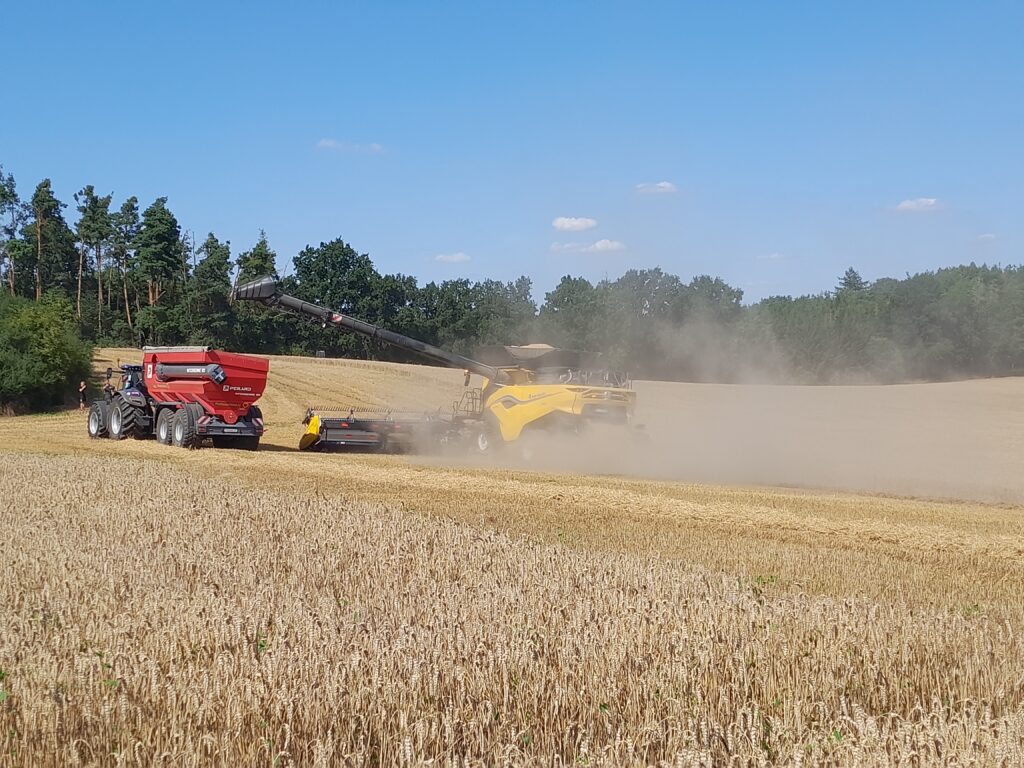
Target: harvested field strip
958,556
192,622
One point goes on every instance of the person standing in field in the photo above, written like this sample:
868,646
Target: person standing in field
81,395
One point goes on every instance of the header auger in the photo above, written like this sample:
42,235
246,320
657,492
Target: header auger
525,390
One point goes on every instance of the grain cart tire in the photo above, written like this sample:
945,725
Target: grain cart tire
123,419
184,428
247,443
165,426
98,420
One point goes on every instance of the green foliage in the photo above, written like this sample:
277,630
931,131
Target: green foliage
258,262
159,257
49,251
42,357
138,286
208,319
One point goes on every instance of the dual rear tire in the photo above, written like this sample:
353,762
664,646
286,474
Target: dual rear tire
98,419
184,426
165,426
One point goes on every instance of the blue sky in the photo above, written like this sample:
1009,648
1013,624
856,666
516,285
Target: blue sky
770,144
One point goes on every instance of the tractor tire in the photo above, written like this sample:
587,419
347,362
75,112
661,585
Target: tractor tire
165,426
123,420
98,419
184,429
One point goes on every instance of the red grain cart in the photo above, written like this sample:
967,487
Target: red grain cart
183,396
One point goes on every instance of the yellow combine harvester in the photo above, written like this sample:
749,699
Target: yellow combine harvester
525,390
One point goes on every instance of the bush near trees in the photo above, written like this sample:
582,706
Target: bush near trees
42,356
136,277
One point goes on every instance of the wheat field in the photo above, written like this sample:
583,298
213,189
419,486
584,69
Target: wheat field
160,606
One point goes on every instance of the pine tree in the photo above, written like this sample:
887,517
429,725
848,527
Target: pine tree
47,232
94,231
158,253
124,231
258,262
209,289
12,216
851,281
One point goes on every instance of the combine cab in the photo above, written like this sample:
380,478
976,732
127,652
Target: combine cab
184,396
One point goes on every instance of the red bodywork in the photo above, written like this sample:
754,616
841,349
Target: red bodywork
245,378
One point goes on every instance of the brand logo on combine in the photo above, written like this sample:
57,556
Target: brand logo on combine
229,388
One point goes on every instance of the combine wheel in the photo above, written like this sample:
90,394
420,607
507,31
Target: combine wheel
122,420
184,428
487,439
98,420
165,426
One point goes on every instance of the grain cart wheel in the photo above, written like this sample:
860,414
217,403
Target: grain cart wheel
98,420
246,443
184,430
123,419
164,426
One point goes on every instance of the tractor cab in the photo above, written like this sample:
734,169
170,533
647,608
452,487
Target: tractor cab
131,379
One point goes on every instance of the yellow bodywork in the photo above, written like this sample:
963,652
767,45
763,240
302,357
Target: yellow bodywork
312,434
516,406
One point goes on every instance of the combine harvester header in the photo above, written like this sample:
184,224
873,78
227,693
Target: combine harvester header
525,390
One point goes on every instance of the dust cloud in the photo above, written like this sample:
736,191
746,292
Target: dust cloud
962,440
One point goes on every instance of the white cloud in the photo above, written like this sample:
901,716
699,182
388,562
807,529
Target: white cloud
987,237
452,258
918,205
773,256
601,246
656,188
573,223
349,146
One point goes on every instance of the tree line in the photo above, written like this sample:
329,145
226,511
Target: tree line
128,275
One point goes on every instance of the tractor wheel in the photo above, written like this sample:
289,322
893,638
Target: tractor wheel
164,426
184,430
98,420
122,420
